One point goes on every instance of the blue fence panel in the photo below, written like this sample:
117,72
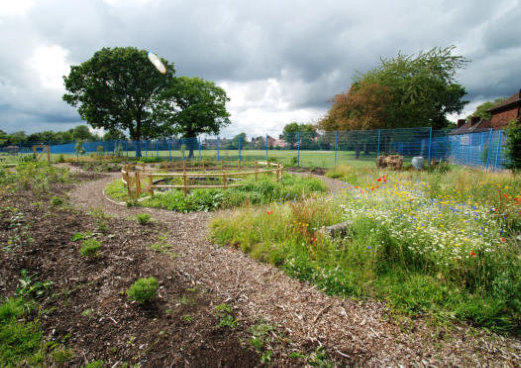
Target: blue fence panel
480,149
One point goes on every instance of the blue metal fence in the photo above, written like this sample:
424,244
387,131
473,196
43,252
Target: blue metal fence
484,149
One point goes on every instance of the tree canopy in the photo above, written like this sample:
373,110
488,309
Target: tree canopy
194,106
291,136
481,110
403,91
118,89
49,136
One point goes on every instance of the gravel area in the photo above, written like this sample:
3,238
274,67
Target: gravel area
356,332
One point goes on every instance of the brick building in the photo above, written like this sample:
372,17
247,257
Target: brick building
505,112
501,115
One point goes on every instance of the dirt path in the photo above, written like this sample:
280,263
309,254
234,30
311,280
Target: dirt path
359,333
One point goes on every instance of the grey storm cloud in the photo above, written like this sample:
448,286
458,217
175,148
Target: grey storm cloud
279,61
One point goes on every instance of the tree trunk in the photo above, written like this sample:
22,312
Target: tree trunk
138,138
138,148
191,144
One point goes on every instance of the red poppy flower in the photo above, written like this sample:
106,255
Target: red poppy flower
503,240
472,254
379,179
269,212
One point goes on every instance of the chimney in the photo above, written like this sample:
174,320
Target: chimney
461,122
474,120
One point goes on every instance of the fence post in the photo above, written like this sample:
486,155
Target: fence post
126,147
378,147
336,144
266,148
498,149
240,139
430,147
298,150
199,143
489,146
217,149
470,148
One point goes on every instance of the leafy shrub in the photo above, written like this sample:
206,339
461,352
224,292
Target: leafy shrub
225,316
56,201
90,248
513,145
143,218
150,159
144,290
95,364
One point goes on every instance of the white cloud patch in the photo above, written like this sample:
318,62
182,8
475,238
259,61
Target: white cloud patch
50,65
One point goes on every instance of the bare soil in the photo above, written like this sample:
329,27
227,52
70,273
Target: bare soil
87,307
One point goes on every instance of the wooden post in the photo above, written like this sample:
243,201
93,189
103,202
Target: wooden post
278,169
150,185
48,153
224,180
256,164
239,165
203,166
185,189
138,184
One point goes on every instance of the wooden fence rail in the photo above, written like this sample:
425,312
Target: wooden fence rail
134,176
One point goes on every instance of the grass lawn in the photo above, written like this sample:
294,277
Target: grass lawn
443,242
324,159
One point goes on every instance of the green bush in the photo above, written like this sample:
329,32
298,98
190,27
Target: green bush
144,290
146,159
513,145
90,248
143,218
56,201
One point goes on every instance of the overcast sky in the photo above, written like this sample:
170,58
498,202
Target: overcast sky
279,61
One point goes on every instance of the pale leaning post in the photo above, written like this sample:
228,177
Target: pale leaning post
256,164
138,184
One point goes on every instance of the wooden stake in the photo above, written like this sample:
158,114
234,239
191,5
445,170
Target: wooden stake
224,180
138,184
150,185
256,163
185,189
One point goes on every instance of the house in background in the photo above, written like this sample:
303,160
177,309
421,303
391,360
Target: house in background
502,114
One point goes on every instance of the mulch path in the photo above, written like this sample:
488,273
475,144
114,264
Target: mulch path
352,332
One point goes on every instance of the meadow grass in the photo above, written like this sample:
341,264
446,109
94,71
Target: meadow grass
442,242
265,190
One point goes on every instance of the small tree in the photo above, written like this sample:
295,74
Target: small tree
79,148
513,145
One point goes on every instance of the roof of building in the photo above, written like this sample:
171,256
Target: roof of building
470,127
512,101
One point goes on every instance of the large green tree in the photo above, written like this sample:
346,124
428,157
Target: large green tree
194,106
482,110
403,91
118,89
